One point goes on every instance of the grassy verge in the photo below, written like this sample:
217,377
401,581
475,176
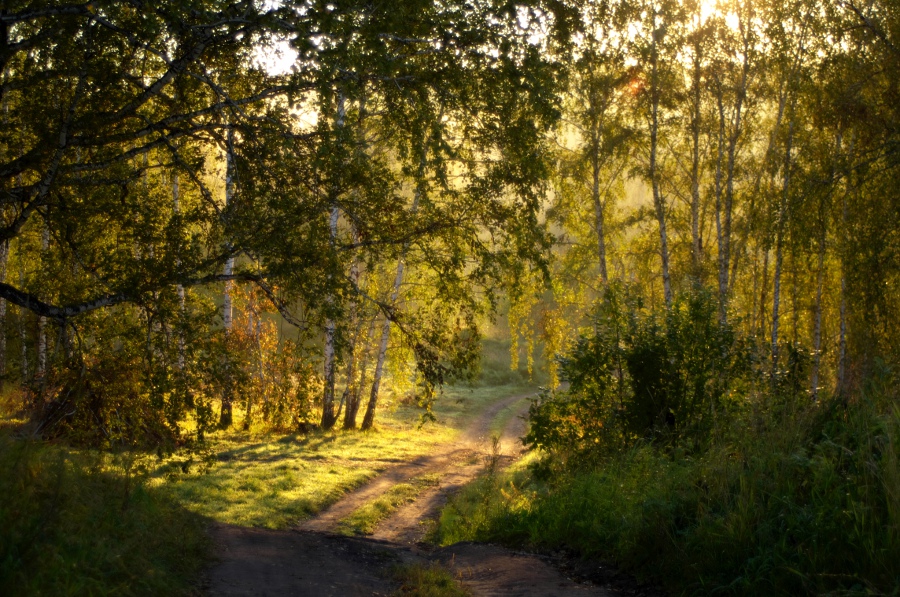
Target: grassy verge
426,581
82,524
364,519
809,504
257,479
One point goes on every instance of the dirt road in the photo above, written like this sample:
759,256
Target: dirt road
312,560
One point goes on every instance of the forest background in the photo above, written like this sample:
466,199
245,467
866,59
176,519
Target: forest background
217,208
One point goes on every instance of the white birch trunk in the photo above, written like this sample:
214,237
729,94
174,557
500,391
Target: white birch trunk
42,321
696,247
23,335
328,415
369,418
4,260
779,251
658,200
179,289
598,213
719,189
226,418
820,285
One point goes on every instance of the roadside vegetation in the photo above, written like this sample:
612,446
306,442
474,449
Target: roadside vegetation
729,487
275,481
129,522
83,523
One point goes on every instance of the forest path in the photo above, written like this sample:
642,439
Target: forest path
313,560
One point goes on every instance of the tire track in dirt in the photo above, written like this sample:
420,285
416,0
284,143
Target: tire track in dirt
312,560
463,454
411,522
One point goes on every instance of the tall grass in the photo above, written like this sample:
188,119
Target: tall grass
798,503
81,524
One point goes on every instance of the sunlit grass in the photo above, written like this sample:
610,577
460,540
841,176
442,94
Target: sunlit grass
264,480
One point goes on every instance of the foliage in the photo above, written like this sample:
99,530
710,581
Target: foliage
76,524
644,376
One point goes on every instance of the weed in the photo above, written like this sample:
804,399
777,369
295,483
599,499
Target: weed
426,581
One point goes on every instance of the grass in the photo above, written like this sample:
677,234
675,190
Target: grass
256,479
810,504
363,520
426,581
87,524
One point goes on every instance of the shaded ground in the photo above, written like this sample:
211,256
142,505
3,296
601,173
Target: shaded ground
313,560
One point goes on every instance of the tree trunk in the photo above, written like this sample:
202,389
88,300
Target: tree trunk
4,260
696,246
820,281
658,200
369,418
350,394
817,325
42,321
598,215
779,252
353,399
227,417
23,335
329,418
179,289
719,189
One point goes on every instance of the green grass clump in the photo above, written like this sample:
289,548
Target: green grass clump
364,520
82,524
426,581
806,504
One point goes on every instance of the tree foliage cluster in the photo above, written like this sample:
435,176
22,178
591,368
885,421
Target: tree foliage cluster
744,149
219,203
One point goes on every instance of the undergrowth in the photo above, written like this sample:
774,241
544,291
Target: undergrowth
678,453
808,506
85,524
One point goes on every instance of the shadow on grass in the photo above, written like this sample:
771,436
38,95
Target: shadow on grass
85,524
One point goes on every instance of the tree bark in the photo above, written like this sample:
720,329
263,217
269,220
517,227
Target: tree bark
820,282
658,200
41,369
696,246
599,216
23,336
779,251
226,417
179,288
4,260
369,417
329,418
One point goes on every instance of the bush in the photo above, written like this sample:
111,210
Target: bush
643,376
